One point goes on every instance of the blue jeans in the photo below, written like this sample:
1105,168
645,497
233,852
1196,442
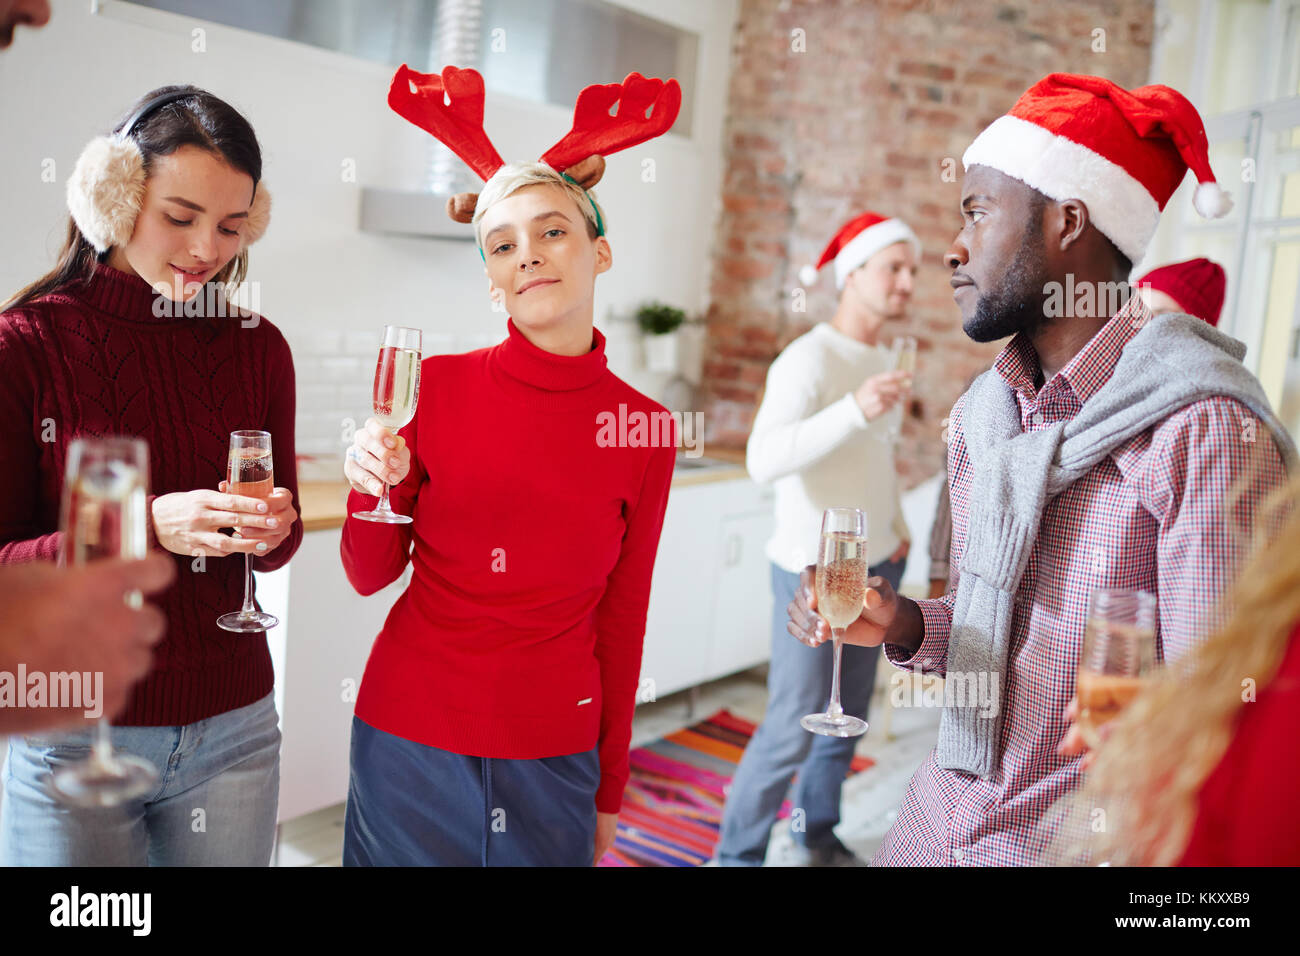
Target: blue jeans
214,804
410,804
798,683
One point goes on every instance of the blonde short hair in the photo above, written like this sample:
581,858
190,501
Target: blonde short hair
513,177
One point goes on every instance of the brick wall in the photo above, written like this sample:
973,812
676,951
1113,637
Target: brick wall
864,118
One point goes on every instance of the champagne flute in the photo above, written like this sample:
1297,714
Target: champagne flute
251,473
904,349
1119,649
397,392
841,580
104,514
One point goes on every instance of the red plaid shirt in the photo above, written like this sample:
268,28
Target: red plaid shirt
1158,514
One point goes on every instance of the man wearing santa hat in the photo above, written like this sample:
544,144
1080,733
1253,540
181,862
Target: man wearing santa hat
823,436
1118,451
1194,287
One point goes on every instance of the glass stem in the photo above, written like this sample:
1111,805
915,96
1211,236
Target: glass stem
835,710
248,608
384,507
103,742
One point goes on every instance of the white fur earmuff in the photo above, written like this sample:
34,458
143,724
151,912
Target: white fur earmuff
106,190
259,216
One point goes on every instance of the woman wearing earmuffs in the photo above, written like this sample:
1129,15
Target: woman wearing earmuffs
122,337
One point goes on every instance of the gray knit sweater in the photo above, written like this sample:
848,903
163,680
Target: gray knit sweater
1171,362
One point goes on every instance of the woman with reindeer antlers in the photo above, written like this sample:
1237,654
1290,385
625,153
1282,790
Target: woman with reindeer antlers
493,720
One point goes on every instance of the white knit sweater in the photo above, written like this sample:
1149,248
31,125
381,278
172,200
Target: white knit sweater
813,443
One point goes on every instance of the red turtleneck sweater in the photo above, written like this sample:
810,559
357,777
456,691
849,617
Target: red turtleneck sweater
520,633
1246,807
95,360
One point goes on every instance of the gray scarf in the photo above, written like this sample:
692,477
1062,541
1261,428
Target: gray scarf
1173,361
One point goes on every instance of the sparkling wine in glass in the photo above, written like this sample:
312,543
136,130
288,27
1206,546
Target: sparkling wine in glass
397,392
904,350
840,583
1119,649
249,472
104,515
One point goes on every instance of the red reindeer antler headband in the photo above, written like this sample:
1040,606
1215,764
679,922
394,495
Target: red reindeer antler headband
450,107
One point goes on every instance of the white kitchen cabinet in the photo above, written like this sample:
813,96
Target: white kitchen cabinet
679,617
320,651
742,611
711,598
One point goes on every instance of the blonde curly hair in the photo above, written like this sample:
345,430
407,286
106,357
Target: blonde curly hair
1139,800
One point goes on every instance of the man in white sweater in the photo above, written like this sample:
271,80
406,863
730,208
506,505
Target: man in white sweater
823,436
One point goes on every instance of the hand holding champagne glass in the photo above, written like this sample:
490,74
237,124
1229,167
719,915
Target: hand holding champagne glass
396,395
841,581
250,473
104,515
1119,645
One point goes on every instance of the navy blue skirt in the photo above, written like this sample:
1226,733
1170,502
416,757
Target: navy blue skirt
414,805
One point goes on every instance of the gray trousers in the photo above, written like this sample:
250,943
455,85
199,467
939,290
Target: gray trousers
798,683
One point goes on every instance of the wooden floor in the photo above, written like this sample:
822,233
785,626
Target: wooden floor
898,741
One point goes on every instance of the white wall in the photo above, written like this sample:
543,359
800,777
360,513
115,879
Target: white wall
328,286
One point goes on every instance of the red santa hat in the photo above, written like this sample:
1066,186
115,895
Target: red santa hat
1123,152
1197,285
857,241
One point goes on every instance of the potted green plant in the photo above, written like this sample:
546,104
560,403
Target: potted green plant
659,325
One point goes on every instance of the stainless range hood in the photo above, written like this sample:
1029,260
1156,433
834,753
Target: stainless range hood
423,213
397,212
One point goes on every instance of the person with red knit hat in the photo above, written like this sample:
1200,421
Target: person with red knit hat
1194,287
1096,453
823,438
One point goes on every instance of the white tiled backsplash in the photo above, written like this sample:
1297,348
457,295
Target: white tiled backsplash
335,372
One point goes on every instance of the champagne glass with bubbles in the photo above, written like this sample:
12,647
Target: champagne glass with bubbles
251,473
840,583
105,515
397,392
1119,655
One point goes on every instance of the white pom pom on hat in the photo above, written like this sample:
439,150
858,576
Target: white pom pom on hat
808,275
1211,201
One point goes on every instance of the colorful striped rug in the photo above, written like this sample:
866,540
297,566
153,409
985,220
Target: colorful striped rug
672,807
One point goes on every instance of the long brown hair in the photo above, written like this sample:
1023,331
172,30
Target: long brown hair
199,119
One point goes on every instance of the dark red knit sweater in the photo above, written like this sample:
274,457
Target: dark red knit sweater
533,544
95,360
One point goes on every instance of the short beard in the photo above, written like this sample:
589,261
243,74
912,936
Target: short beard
1018,305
